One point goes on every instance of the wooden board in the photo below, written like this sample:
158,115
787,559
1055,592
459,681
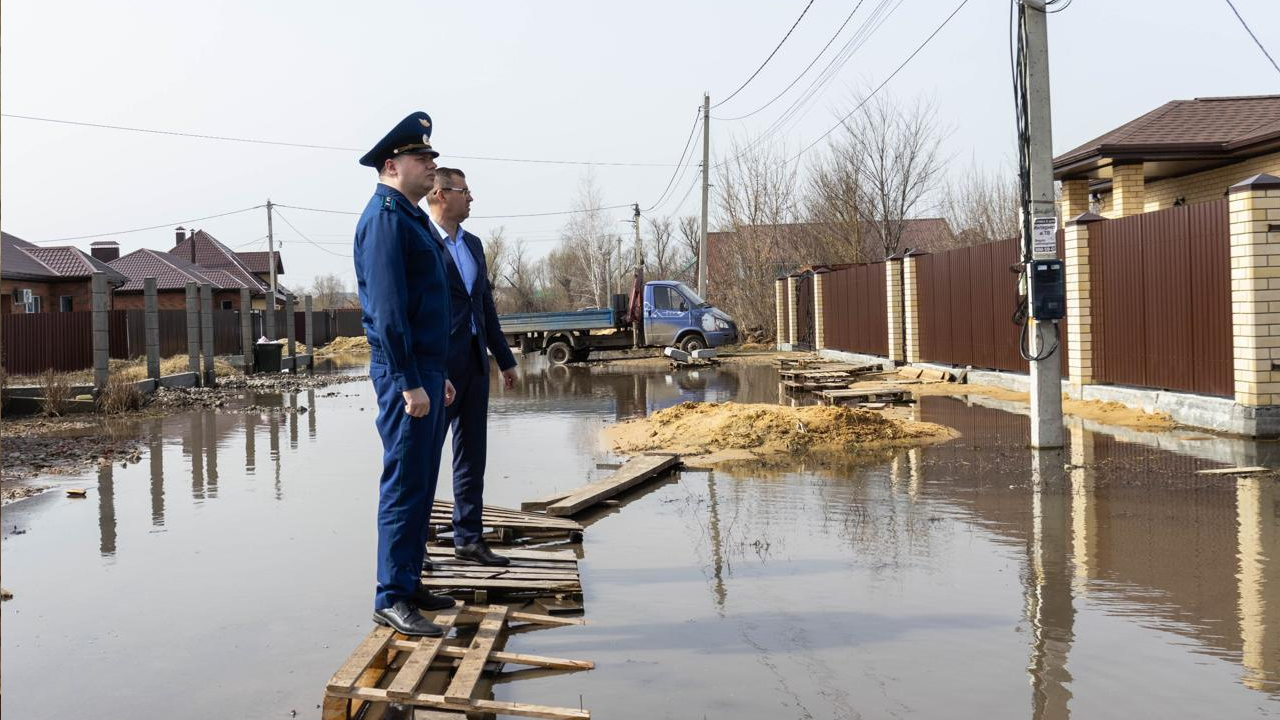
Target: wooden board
1233,471
632,473
498,517
531,572
866,395
361,679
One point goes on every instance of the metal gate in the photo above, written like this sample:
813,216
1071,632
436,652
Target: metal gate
1162,299
805,327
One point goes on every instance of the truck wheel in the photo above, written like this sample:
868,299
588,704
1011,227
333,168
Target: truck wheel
692,342
559,352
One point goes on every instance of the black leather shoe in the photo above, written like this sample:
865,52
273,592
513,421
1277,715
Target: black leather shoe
426,565
429,601
404,618
478,552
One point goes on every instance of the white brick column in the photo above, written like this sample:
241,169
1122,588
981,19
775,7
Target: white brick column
780,307
911,309
893,302
1079,302
1255,288
793,312
819,327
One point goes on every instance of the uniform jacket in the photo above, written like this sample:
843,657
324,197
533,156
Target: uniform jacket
404,292
475,307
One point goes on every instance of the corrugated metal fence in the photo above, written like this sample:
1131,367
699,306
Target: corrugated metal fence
967,298
47,341
855,315
1162,299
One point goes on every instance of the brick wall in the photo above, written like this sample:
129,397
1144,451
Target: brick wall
1255,291
1208,185
174,300
50,293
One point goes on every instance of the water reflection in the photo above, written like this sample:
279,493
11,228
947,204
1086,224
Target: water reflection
155,450
106,509
1050,610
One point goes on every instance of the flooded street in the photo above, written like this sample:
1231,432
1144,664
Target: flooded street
230,571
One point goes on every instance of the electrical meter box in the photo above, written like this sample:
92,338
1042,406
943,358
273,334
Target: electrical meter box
1048,289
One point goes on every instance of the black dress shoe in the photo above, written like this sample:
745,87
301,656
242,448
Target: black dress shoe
478,552
429,601
404,618
426,565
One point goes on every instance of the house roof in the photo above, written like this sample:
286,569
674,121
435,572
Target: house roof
1180,137
257,262
205,250
22,260
170,271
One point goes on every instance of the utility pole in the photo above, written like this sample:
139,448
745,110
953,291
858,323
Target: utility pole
706,185
1045,274
637,312
269,308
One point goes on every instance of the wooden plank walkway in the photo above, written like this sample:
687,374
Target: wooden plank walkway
866,395
632,473
500,517
389,667
532,573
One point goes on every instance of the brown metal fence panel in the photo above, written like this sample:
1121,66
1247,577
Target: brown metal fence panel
33,343
173,332
226,332
347,323
855,315
1162,299
118,334
804,309
966,299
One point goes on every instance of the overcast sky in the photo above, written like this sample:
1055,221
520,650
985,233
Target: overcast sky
597,81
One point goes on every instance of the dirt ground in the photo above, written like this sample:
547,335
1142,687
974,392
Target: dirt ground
1109,413
711,433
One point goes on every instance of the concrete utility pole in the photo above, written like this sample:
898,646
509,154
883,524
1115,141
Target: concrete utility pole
706,186
269,319
637,316
1046,374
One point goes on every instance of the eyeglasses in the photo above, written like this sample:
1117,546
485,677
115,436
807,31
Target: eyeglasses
464,191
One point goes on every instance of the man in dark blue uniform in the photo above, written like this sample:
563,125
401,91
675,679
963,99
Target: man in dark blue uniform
404,300
473,334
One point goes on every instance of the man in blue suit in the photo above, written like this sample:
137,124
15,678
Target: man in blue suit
404,301
473,334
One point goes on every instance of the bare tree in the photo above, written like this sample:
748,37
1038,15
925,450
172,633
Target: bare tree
894,154
982,207
690,228
496,254
561,267
831,207
661,250
756,194
330,293
524,279
592,244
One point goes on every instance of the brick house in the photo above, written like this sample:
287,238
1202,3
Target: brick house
204,250
35,278
259,264
1183,152
172,273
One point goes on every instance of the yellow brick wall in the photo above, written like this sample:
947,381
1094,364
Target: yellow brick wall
793,319
1079,305
893,289
1128,191
1255,278
819,326
1207,185
911,310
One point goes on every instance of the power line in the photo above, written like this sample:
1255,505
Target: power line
1255,37
882,84
802,72
304,237
473,217
766,60
679,168
308,146
152,227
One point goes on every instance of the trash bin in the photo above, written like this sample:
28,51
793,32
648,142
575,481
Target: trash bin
266,357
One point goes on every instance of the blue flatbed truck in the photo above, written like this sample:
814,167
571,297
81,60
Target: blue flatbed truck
671,314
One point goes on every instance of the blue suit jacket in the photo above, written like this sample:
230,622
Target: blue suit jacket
474,307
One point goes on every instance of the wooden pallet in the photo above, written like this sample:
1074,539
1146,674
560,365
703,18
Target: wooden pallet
632,473
546,574
388,667
835,370
866,395
508,525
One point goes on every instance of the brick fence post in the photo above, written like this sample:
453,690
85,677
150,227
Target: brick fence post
793,311
289,327
308,327
893,303
1075,243
819,324
101,336
910,309
151,323
1254,208
780,306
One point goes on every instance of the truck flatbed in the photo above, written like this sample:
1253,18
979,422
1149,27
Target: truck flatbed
553,321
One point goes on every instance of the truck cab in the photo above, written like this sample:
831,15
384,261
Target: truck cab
675,315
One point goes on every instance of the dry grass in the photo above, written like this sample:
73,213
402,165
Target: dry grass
133,370
56,389
120,395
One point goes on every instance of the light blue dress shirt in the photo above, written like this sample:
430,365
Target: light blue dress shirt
462,258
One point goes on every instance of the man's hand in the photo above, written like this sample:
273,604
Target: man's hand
509,378
416,402
449,392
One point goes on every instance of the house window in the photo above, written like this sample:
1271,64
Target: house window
65,303
226,305
25,301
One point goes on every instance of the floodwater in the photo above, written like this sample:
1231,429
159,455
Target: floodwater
230,572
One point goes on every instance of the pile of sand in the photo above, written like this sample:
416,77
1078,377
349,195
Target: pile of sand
1108,413
728,431
344,346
